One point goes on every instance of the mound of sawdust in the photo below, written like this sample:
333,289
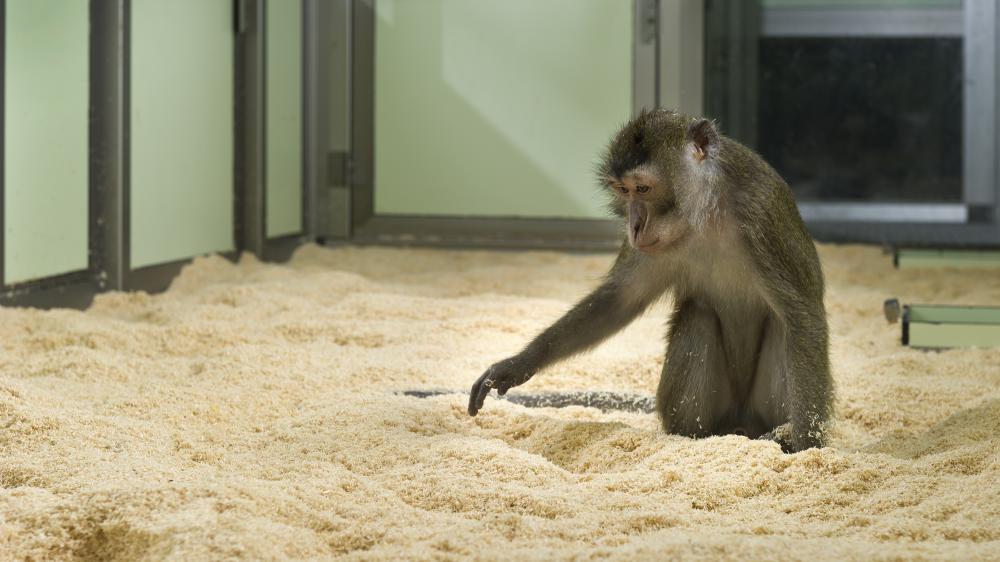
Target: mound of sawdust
249,412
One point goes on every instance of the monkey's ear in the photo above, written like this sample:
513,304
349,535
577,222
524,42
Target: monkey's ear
704,139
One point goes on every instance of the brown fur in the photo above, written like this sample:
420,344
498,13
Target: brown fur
748,340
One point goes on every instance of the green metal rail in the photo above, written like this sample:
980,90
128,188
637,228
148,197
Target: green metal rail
938,326
913,258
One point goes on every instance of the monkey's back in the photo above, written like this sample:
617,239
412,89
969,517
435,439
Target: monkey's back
770,223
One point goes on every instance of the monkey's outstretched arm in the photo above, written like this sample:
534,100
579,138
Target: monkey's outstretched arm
605,311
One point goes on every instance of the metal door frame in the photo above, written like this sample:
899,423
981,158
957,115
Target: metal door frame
972,221
366,227
108,169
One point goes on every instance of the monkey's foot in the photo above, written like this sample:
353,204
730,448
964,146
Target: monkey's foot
782,435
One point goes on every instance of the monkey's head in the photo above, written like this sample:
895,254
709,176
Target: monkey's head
658,170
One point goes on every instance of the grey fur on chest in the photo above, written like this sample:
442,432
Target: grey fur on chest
719,277
716,270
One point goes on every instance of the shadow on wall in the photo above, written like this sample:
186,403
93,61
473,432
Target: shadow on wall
436,58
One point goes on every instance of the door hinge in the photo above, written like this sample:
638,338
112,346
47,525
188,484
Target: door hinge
240,16
339,168
649,16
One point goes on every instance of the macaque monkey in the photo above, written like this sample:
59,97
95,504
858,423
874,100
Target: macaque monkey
707,219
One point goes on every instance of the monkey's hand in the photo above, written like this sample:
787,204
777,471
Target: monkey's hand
503,376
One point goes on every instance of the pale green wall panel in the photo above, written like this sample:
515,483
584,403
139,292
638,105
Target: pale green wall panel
45,133
181,129
497,108
284,117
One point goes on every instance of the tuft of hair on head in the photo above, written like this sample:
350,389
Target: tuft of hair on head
628,148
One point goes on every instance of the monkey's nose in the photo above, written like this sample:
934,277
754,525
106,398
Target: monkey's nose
636,217
637,227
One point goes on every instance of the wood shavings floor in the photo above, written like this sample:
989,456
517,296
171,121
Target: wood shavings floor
248,413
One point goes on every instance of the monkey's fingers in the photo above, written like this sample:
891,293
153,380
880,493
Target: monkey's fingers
503,386
510,381
474,402
480,389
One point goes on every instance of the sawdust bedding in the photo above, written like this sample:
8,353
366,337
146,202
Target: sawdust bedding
249,412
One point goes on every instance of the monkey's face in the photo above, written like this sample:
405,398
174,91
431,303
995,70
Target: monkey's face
649,207
659,170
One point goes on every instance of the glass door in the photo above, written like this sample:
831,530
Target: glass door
470,111
486,108
878,111
181,135
45,100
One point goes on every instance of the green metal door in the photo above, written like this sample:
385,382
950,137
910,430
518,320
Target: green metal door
181,145
45,138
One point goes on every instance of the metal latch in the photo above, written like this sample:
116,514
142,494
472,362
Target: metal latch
648,18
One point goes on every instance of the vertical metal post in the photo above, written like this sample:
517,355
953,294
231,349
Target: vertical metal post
3,136
732,30
645,55
681,61
250,122
126,144
108,156
308,194
993,195
362,125
336,38
313,115
980,143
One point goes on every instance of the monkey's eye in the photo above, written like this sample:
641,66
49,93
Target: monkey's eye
642,188
623,189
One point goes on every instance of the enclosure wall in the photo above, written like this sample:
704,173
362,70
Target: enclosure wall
486,108
182,128
45,138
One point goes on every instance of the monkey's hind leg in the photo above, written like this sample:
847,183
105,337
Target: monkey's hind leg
769,401
791,392
695,397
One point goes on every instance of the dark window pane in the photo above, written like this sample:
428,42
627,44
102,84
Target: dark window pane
871,119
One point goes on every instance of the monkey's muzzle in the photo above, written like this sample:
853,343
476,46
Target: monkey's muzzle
638,220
